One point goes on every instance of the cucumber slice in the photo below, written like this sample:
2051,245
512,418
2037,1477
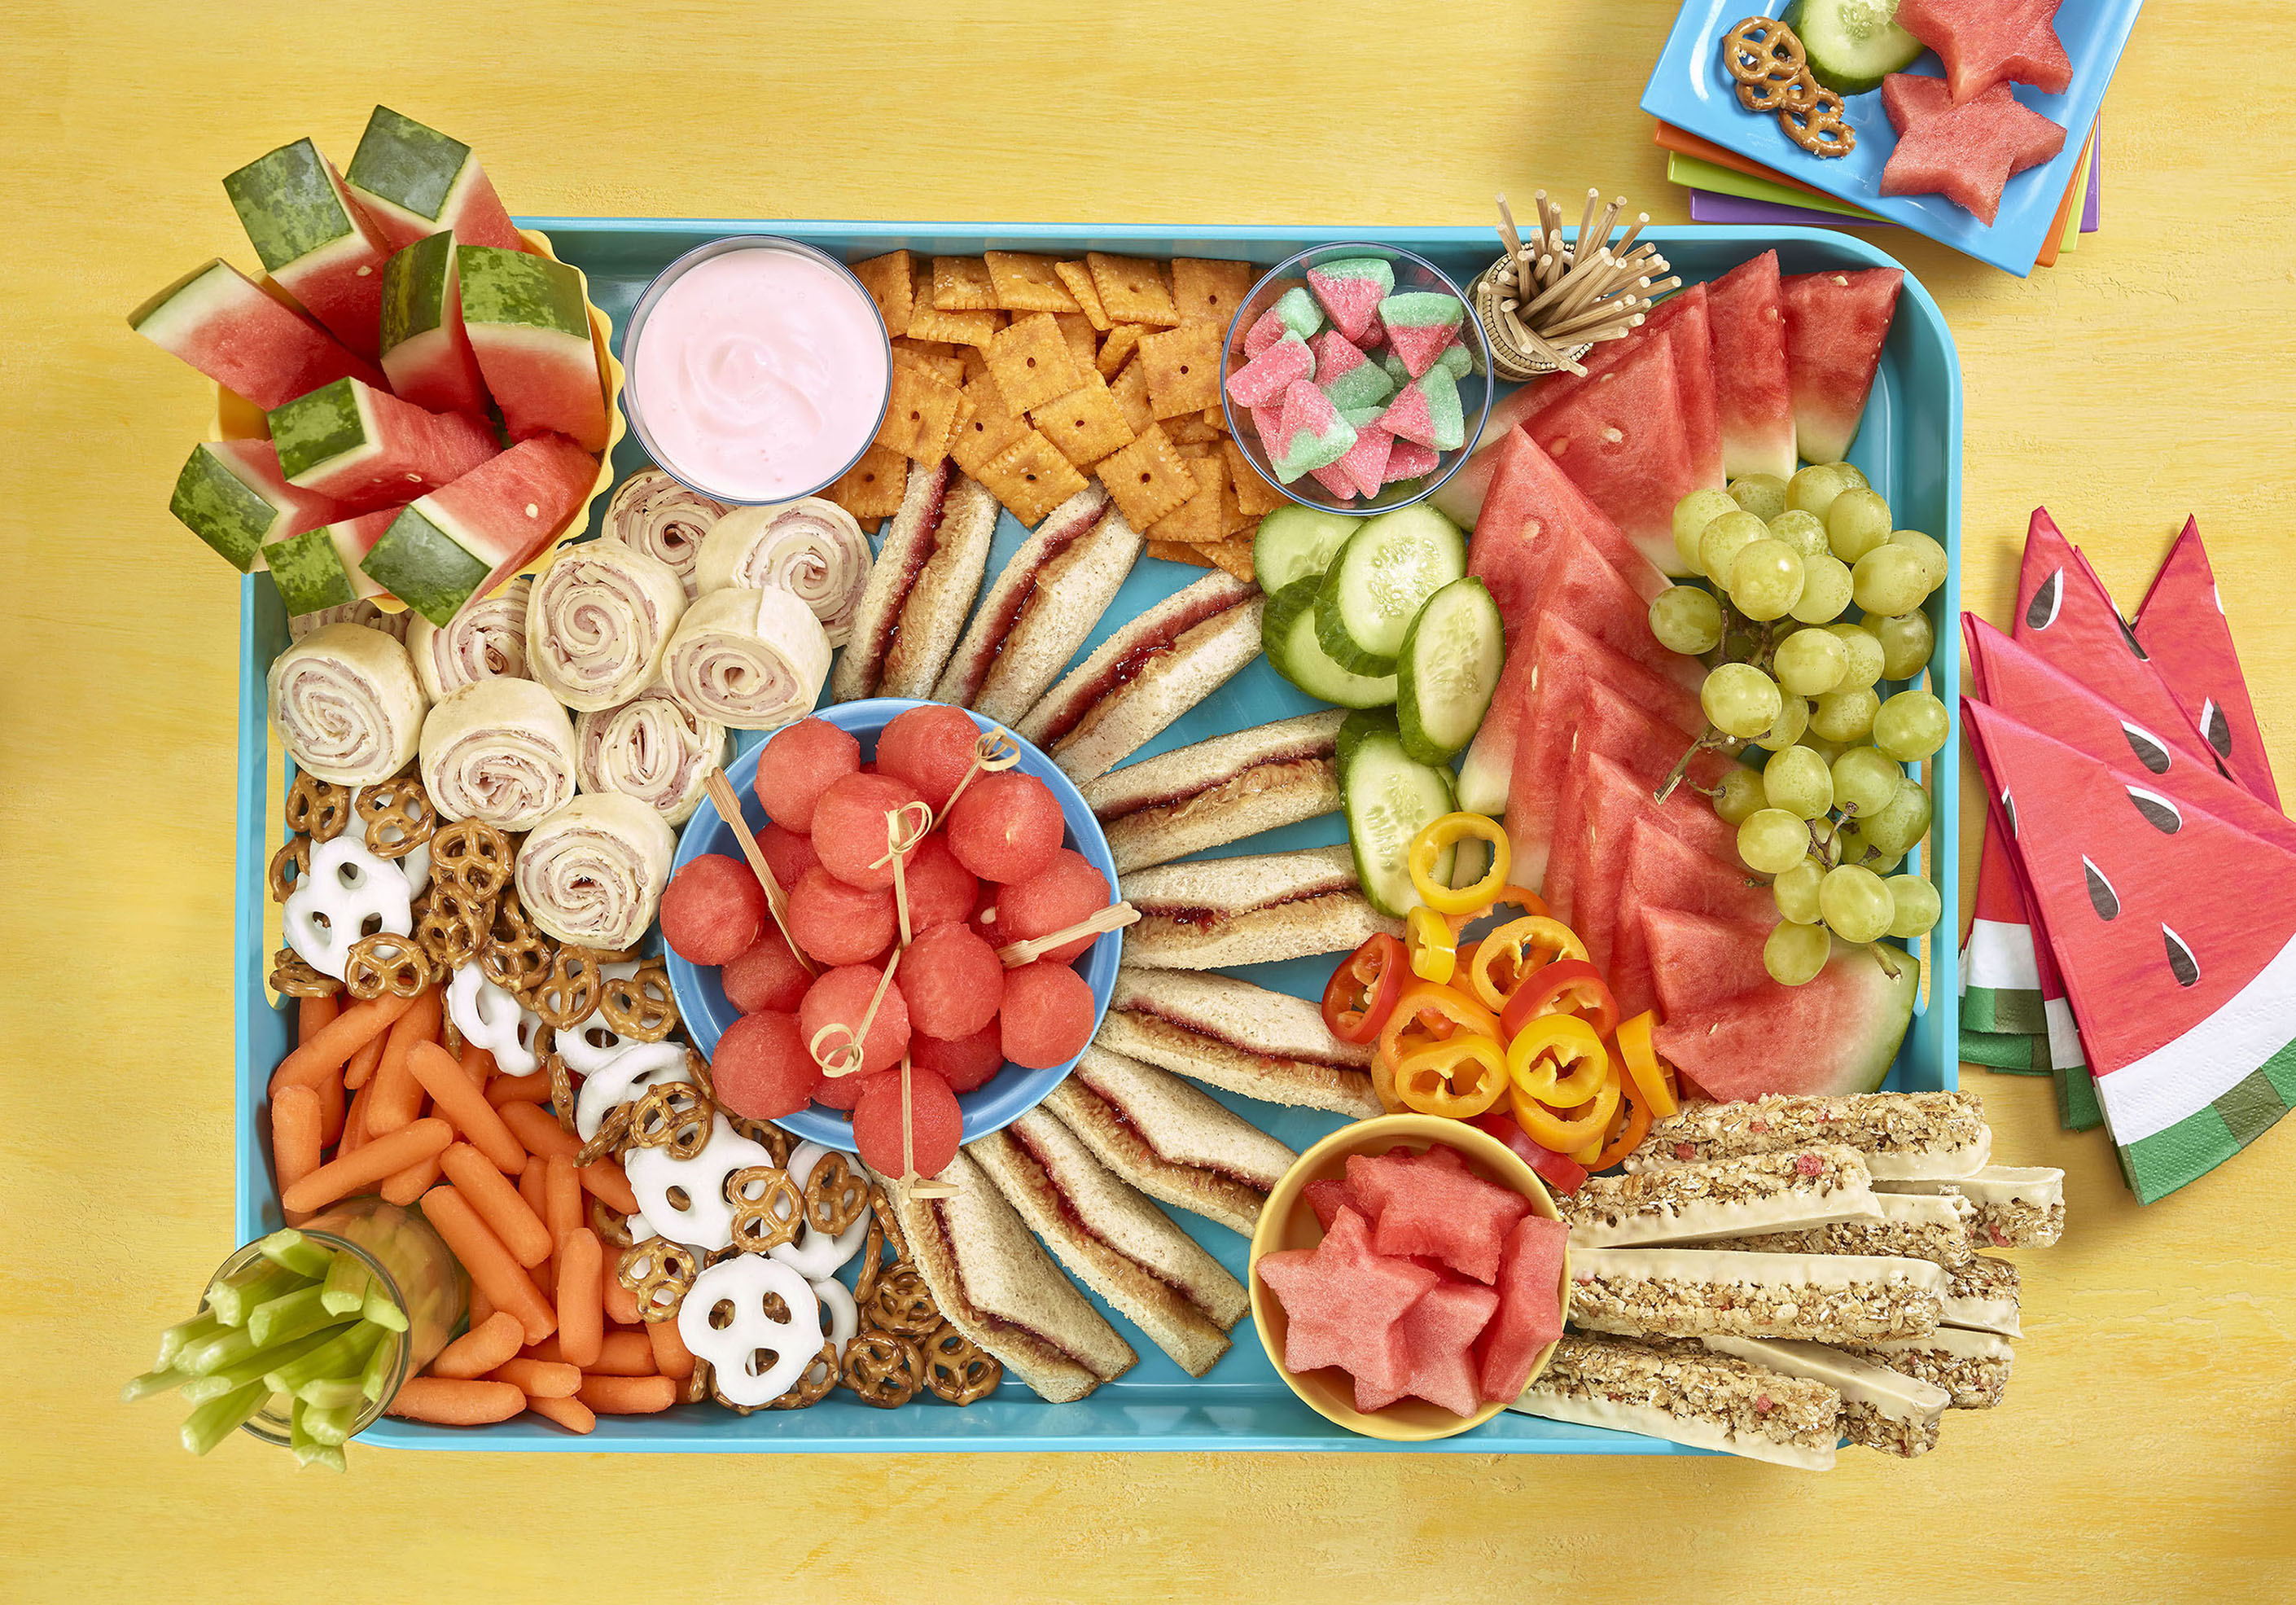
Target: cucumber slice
1853,44
1389,796
1287,634
1297,543
1448,667
1379,582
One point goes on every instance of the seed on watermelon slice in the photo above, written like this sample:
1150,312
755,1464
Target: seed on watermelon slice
1341,1303
1754,395
425,349
365,447
320,568
317,242
219,320
1969,154
1621,439
416,182
1529,1314
528,322
231,495
2181,621
1986,42
1438,1334
1835,324
1454,1216
466,539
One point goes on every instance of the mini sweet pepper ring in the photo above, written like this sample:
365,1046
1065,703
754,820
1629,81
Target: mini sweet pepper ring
317,809
386,962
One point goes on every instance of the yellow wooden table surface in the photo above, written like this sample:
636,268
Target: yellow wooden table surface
2147,1446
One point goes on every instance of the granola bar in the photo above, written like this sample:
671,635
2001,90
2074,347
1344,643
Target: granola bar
1686,1394
1913,1226
1721,1198
1708,1292
1973,1367
1901,1134
1983,1297
1881,1409
2016,1207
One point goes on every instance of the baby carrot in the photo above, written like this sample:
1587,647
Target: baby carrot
621,1305
573,1414
385,1155
398,1096
671,1357
483,1255
581,1328
330,1108
295,1121
478,1064
561,1200
519,1089
411,1183
335,1041
498,1204
463,1104
623,1353
487,1345
628,1395
539,1130
605,1179
353,1137
311,1015
450,1402
539,1379
530,1185
360,1070
482,1308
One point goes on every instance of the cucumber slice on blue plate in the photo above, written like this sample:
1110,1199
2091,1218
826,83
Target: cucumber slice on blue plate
1389,796
1447,669
1287,634
1378,583
1297,543
1852,45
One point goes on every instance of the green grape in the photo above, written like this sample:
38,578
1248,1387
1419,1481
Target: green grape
1811,663
1918,905
1857,522
1888,580
1827,750
1935,564
1795,779
1855,902
1864,656
1864,782
1825,590
1739,795
1803,532
1813,489
1740,699
1796,890
1692,515
1786,729
1794,954
1764,495
1686,619
1722,541
1910,726
1766,579
1853,477
1906,641
1857,846
1904,820
1845,716
1772,841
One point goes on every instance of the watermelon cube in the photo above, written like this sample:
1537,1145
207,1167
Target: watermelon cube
425,349
1350,290
1420,325
1529,1314
464,541
1262,381
219,320
321,568
1343,1302
416,182
367,448
529,325
1451,1215
231,495
317,244
1753,395
1310,432
1835,324
1330,1196
1439,1337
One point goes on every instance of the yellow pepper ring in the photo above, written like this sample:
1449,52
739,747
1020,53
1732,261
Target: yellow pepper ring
1448,831
1543,1047
1635,1047
1567,1136
1428,1080
1433,946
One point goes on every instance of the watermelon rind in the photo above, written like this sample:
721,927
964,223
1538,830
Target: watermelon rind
328,429
425,567
215,502
425,351
416,181
1859,1060
523,291
216,319
320,568
527,321
414,290
312,240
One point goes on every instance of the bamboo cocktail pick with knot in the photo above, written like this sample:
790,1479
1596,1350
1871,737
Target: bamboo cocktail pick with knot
1114,917
729,809
1546,302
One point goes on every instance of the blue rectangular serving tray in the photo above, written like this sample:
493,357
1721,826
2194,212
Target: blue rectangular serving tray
1909,447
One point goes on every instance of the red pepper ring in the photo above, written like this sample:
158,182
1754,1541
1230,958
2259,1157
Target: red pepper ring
1566,986
1362,992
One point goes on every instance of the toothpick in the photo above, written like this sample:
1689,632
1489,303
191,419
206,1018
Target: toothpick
1628,238
901,839
729,809
1507,231
1586,240
1114,917
1602,234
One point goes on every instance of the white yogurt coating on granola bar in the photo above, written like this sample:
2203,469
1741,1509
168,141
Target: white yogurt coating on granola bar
2017,1207
1983,1297
1702,1292
1973,1367
1901,1134
1722,1197
1684,1394
1887,1392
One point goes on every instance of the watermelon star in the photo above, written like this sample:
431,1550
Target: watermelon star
1986,41
1967,154
1343,1302
1453,1216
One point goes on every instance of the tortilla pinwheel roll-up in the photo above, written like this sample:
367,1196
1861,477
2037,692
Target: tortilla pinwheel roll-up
653,514
501,751
748,659
599,620
362,612
487,640
653,748
592,873
809,547
346,704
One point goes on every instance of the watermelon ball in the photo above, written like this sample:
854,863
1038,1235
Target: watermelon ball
964,1063
761,1069
837,924
941,890
1047,1015
840,997
1054,898
1006,826
850,828
712,910
767,977
936,1124
952,980
800,763
839,1092
787,854
931,747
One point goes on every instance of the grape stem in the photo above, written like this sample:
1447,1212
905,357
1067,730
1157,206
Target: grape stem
1708,737
1881,957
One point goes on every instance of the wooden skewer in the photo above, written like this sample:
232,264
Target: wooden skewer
1579,273
1507,231
1527,335
846,1059
1626,240
1602,234
995,751
729,809
1577,296
1114,917
1586,240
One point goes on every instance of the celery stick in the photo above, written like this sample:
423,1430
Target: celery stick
331,1426
183,1335
379,1309
162,1381
345,1289
290,1316
330,1392
330,1455
343,1355
234,1298
289,1247
255,1367
378,1367
215,1420
229,1346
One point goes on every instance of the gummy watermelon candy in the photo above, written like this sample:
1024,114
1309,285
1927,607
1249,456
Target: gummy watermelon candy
1350,291
1420,325
1348,377
1272,370
1835,323
1341,1302
1620,438
1967,153
1986,42
1529,1316
2181,626
1310,432
1753,397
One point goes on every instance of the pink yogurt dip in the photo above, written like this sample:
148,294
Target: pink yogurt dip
760,374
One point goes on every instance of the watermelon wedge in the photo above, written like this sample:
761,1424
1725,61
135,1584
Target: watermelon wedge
1986,42
2181,626
320,568
1835,324
1968,153
1529,1314
1754,395
1461,497
1660,870
425,349
231,495
221,322
528,323
316,243
1620,438
1702,962
1685,320
464,541
1619,756
2176,933
416,182
366,448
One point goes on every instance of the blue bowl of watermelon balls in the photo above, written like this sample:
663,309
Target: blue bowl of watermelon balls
986,1044
1356,378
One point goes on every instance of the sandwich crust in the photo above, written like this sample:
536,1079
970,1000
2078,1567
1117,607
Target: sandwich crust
920,587
1251,909
1238,1037
1220,791
1170,1139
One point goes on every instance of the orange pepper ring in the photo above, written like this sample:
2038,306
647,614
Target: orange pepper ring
1571,1135
1638,1126
1442,1010
1535,931
1427,1080
1636,1048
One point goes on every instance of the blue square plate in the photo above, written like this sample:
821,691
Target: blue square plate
1690,89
